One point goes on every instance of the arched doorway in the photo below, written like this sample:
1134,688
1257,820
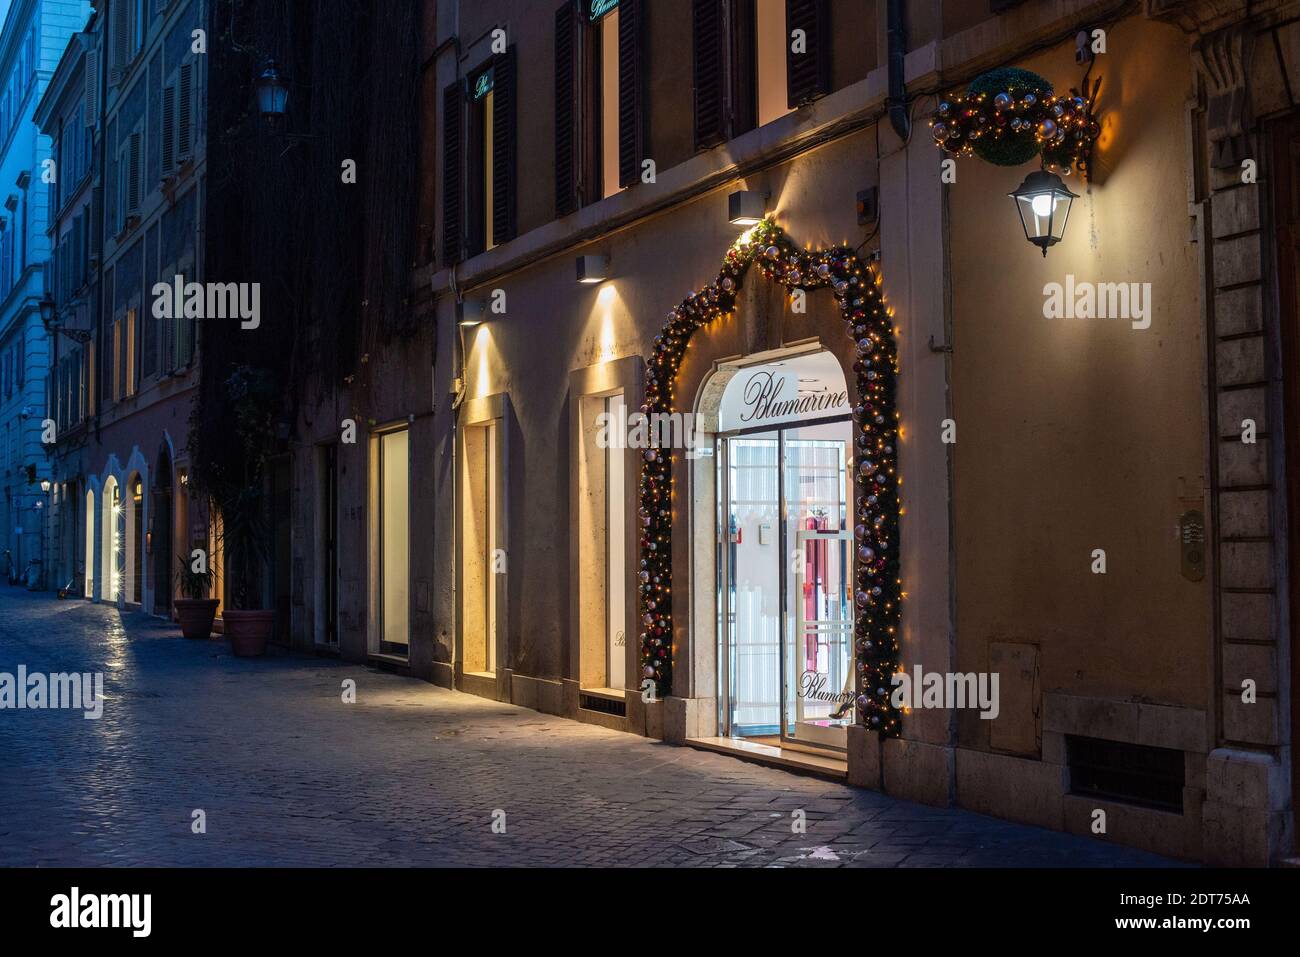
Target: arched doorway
783,446
88,571
111,557
160,535
875,569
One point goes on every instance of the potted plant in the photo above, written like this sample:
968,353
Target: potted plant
237,435
195,611
244,534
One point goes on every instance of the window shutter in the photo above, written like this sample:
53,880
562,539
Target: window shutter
96,204
808,74
566,114
92,87
710,120
452,225
632,113
168,128
185,111
504,148
76,252
121,13
133,171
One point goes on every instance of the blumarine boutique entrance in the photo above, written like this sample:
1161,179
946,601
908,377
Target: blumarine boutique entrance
783,452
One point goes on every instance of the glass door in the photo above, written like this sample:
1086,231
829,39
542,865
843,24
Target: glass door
750,550
818,628
786,561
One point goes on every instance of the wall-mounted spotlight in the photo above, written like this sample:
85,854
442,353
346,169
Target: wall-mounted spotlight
1043,202
593,269
746,207
472,313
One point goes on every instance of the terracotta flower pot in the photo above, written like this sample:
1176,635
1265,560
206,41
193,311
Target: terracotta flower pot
195,616
248,631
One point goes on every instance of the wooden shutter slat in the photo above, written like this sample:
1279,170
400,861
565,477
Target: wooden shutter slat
133,171
92,87
566,184
632,114
504,149
185,111
168,128
710,119
808,74
452,222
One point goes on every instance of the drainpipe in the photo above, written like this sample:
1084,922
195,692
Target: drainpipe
899,118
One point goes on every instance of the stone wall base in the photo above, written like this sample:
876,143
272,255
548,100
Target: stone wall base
1245,822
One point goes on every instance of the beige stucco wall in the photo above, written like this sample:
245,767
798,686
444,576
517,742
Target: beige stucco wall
1079,434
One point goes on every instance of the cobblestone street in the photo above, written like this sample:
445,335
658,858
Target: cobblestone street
411,774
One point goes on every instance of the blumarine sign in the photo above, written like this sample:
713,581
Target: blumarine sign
801,388
768,398
598,8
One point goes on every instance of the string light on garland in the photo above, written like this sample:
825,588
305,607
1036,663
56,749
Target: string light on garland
1009,116
878,587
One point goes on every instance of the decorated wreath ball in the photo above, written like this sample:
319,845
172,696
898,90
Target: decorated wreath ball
1009,150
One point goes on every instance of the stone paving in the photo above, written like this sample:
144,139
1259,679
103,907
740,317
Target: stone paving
286,774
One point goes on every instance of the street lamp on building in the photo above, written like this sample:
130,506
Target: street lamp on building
48,314
272,93
1043,202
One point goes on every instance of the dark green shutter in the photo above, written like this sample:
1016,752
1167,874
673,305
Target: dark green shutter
566,91
710,118
809,73
452,221
632,114
504,148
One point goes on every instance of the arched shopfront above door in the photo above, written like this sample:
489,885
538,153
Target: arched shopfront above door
877,588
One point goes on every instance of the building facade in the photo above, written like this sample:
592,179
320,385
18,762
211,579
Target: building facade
68,116
1094,503
123,375
33,38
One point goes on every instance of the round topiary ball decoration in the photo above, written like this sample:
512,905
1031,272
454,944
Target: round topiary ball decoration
1009,150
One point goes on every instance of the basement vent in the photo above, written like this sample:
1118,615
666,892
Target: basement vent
592,702
1130,773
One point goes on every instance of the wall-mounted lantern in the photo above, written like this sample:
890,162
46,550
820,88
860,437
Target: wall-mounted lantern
1043,202
272,93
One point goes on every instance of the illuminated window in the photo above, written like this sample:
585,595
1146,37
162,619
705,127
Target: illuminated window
770,41
482,142
607,56
394,543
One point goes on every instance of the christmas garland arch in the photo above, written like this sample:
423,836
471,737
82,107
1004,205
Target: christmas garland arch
878,587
